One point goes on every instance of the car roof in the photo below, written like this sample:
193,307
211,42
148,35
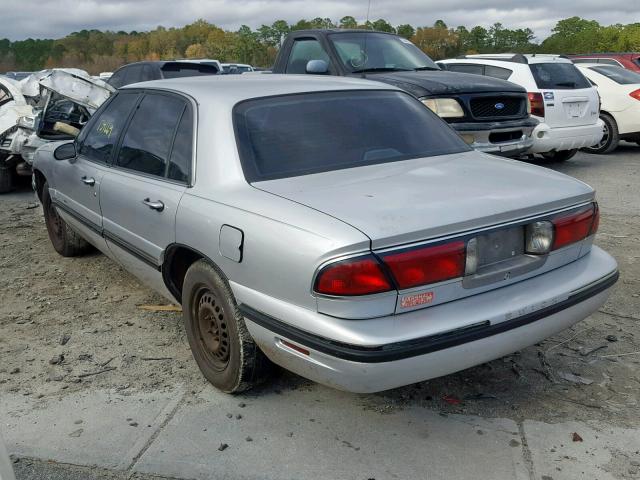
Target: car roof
512,58
225,90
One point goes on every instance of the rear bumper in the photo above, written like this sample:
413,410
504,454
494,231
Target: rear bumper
496,323
485,136
547,139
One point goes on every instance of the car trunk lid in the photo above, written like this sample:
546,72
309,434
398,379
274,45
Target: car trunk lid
413,200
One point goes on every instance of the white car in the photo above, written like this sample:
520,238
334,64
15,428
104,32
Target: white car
236,68
561,98
619,91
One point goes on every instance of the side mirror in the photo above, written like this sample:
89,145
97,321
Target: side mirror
66,151
317,67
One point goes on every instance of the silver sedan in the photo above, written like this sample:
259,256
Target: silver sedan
333,226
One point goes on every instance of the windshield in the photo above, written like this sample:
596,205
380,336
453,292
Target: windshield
362,52
301,134
5,96
558,76
618,74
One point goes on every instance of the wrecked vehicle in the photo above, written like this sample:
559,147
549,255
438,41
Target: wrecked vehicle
46,106
302,220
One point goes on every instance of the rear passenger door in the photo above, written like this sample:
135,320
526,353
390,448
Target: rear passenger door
151,170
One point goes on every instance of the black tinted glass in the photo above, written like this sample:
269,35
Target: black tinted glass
177,70
497,72
466,68
104,131
294,135
146,143
181,154
618,74
558,76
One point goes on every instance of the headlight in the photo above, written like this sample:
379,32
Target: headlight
444,107
26,122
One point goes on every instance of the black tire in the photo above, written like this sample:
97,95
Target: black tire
610,139
6,177
65,241
220,342
561,156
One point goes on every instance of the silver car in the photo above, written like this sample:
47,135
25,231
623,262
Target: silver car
334,226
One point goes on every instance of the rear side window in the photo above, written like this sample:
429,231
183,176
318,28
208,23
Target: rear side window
147,141
294,135
178,70
182,151
466,68
116,80
302,52
618,74
558,76
104,131
497,72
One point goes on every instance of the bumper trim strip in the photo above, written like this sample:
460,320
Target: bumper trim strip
419,346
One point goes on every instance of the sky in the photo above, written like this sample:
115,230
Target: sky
57,18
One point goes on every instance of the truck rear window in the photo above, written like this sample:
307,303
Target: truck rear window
292,135
558,76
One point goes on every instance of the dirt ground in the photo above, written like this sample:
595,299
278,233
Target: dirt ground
74,324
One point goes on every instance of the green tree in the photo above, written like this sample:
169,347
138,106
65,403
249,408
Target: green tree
348,22
405,30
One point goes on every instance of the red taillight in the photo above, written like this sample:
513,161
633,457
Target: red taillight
537,104
635,94
420,266
359,276
575,226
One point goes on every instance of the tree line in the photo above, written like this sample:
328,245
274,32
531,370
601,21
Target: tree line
97,51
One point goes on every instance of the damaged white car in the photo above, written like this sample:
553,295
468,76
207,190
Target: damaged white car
47,106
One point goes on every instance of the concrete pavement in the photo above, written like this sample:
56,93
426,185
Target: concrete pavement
298,434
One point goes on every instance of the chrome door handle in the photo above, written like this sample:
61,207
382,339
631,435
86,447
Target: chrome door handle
158,205
88,180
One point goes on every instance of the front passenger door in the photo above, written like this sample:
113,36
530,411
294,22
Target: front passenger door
76,185
140,194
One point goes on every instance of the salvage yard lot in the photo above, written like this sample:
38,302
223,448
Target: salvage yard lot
95,371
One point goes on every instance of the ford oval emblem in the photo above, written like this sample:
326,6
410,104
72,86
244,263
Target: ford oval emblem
499,106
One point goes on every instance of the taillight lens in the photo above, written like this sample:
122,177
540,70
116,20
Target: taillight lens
420,266
358,276
537,104
575,226
635,94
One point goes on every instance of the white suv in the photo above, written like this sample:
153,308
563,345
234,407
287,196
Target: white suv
564,101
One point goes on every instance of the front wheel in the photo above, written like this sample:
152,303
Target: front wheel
610,139
6,176
220,342
561,156
65,241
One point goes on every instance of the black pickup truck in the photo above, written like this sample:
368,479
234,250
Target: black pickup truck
490,114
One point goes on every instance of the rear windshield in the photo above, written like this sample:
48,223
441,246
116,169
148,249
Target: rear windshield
558,76
176,70
301,134
618,74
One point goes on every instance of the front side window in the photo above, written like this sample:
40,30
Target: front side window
370,52
146,144
303,51
618,74
302,134
558,76
104,131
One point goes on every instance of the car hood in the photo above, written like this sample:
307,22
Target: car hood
441,82
412,200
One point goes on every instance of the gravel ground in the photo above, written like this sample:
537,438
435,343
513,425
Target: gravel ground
73,324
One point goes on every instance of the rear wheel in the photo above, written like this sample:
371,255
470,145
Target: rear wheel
561,156
610,139
65,241
221,345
